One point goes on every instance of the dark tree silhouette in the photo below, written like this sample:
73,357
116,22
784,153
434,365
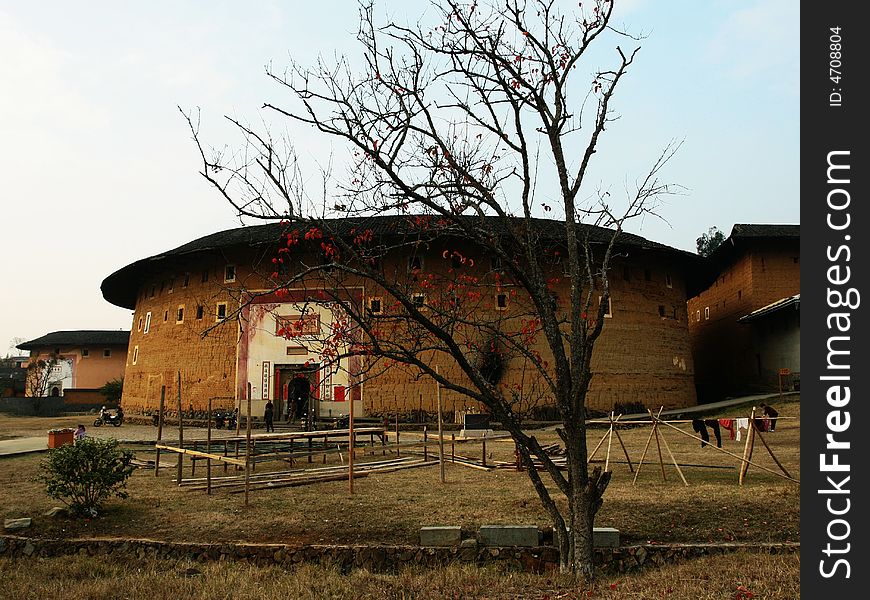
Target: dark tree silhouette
708,242
454,128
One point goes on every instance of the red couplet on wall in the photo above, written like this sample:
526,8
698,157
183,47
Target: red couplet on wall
338,393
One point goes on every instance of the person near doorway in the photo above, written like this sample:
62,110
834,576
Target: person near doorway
268,417
299,391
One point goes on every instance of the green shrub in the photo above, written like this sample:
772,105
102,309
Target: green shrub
83,475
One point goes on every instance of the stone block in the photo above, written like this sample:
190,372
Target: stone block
605,537
475,433
509,535
440,536
14,524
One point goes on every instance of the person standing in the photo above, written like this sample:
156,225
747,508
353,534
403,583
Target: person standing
771,413
268,417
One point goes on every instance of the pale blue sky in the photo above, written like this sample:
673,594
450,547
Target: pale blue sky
98,170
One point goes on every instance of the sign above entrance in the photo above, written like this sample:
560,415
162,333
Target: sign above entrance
266,373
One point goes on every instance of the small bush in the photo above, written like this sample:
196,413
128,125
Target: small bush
83,475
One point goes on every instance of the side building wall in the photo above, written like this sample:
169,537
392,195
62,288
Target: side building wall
726,359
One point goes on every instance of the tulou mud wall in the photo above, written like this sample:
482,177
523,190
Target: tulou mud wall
642,357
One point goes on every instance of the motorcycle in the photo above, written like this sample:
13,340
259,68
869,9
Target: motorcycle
227,420
109,419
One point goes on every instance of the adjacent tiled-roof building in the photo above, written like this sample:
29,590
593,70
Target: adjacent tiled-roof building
81,359
756,267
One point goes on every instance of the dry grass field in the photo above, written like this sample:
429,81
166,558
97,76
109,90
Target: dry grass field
391,507
768,577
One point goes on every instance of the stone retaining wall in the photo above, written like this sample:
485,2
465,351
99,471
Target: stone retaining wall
375,558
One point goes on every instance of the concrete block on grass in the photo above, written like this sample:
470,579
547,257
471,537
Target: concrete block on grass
605,537
440,536
509,535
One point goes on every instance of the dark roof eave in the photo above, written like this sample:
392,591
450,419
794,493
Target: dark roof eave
119,288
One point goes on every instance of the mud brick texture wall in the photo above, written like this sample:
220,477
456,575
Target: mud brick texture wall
726,361
643,356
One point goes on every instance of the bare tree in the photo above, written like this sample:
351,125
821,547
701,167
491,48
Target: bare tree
456,128
41,375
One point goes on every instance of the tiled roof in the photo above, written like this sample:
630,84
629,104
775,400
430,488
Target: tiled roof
772,308
119,288
752,230
82,337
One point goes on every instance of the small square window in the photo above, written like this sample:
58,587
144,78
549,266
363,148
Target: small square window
418,300
147,322
135,354
698,315
171,286
107,352
661,310
205,276
85,353
153,290
229,273
139,324
199,312
186,281
165,315
668,281
375,306
739,294
179,314
501,301
221,311
706,312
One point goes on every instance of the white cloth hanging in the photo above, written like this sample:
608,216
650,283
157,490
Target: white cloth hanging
740,424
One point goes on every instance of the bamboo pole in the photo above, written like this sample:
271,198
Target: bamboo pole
350,445
483,445
762,467
398,452
609,442
180,431
248,452
747,448
197,453
208,449
643,455
601,441
772,455
159,429
193,461
674,460
619,438
658,445
440,429
425,442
